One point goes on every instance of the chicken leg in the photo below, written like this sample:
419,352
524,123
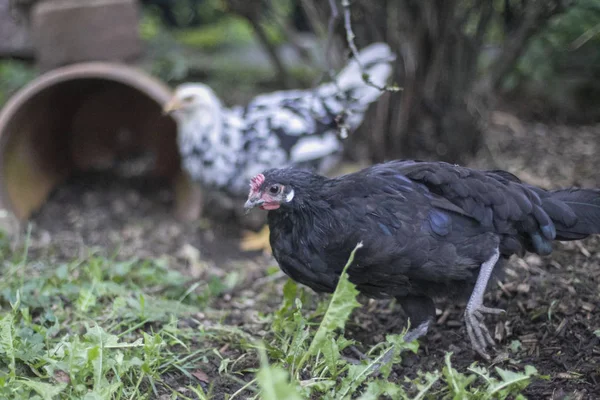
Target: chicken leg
189,199
478,333
420,311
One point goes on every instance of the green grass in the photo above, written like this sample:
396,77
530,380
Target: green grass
228,31
13,76
99,328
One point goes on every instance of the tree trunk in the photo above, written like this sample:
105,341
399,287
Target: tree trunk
444,104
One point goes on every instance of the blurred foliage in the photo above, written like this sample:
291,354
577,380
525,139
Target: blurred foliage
218,51
13,76
219,27
559,48
165,58
175,52
150,26
228,31
177,13
208,50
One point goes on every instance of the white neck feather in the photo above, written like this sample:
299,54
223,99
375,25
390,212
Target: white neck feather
290,196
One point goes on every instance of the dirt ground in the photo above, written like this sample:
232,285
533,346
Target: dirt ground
552,303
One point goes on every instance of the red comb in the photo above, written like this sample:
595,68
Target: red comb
256,182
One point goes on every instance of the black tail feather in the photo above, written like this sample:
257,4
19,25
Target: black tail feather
575,212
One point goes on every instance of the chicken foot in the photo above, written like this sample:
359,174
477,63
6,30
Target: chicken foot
474,314
412,334
420,311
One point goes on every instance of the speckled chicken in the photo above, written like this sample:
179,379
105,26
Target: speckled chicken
222,148
429,230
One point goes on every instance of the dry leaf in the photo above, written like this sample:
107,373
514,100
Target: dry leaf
201,376
61,376
523,288
192,256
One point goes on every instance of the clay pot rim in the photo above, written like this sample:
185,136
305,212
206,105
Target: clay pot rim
120,73
133,77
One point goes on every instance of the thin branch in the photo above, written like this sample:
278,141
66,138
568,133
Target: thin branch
284,76
339,119
482,25
350,38
349,32
534,20
290,33
585,37
464,17
333,18
252,12
314,18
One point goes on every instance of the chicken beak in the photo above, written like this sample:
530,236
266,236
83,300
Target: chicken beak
252,202
173,105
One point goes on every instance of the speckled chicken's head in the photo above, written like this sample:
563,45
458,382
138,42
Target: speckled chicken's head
191,99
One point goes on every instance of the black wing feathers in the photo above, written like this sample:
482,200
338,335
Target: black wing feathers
583,215
495,199
517,210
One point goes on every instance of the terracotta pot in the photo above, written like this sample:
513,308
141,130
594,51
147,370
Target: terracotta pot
80,117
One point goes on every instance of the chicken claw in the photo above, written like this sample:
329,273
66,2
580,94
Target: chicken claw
478,333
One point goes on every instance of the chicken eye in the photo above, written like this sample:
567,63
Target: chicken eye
275,189
188,99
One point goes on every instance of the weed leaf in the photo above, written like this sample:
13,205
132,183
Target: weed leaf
45,390
342,302
274,381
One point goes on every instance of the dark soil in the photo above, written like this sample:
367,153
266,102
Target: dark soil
552,303
130,216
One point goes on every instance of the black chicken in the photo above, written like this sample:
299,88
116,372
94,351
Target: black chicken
428,229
